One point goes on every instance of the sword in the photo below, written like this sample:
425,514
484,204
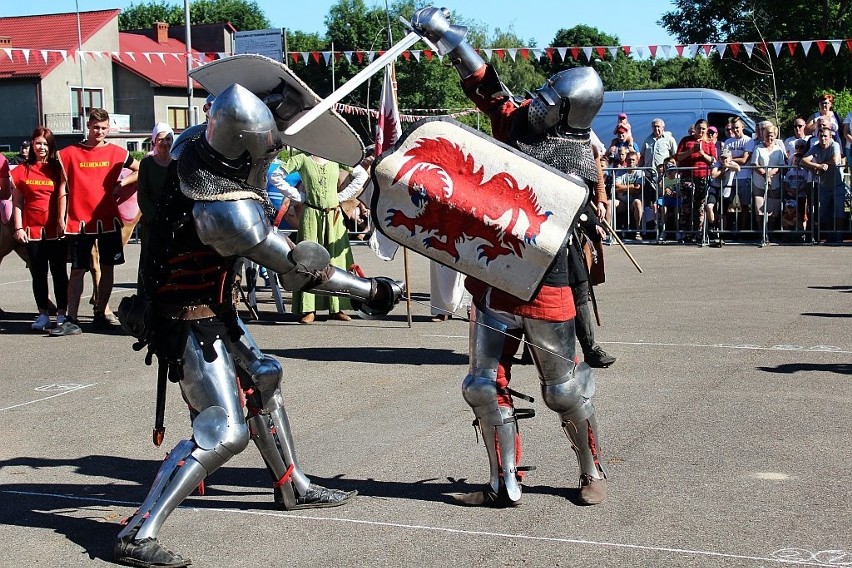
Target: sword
621,244
353,83
159,429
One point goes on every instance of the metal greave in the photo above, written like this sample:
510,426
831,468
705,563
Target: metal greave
269,425
498,424
566,389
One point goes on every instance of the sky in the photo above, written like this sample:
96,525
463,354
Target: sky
633,22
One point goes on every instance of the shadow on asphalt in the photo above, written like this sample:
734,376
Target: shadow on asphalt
386,356
790,368
826,315
42,505
846,289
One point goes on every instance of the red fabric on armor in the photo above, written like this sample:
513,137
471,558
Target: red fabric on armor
38,184
550,303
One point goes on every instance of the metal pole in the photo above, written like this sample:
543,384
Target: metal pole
286,64
333,84
80,57
190,116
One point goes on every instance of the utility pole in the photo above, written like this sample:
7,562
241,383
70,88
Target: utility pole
190,116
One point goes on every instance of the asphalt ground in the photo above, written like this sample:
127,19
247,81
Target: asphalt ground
724,425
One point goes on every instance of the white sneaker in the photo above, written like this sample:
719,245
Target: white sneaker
41,322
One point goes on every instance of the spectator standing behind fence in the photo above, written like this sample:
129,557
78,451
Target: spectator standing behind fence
92,170
824,160
39,195
658,146
742,147
722,176
698,154
798,182
153,171
623,140
847,140
768,159
799,134
825,110
628,192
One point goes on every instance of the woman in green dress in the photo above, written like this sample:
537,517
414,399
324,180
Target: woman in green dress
322,222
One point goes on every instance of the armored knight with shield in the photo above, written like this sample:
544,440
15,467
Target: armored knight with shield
213,210
554,128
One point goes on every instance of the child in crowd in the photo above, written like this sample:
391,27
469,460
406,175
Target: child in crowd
669,194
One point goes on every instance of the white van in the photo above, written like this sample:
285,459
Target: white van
679,109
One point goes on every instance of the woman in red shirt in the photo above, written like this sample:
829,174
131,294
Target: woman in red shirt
39,197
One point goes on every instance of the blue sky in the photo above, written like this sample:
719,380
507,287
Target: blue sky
633,22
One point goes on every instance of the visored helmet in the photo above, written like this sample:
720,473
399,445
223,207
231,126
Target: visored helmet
568,101
242,132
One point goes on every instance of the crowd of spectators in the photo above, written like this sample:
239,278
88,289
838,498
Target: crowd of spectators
746,187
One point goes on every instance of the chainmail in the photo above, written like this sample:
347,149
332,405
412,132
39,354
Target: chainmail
568,156
201,182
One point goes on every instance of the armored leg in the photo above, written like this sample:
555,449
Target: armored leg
495,414
218,433
584,325
568,389
270,430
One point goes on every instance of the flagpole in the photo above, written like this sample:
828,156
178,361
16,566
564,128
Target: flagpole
405,265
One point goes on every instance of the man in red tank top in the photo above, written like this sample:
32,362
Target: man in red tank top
92,168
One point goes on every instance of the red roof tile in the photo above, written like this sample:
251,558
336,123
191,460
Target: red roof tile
163,64
45,36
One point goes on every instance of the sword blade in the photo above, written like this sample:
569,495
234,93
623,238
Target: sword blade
352,84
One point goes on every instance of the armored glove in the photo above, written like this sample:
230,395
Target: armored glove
384,295
434,25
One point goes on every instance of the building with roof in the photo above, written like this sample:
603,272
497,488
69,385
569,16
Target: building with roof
47,77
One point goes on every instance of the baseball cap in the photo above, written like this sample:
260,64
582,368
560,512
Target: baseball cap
622,115
622,128
791,204
25,144
713,129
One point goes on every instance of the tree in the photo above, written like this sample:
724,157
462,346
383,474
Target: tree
798,79
242,14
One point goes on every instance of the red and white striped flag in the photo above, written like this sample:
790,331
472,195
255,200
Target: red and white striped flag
388,128
388,131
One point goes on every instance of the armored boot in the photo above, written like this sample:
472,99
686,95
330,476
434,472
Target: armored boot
584,325
292,490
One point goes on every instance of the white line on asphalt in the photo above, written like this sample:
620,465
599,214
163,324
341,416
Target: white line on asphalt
796,348
603,544
15,282
81,387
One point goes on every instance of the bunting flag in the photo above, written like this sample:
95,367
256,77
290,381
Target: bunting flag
824,48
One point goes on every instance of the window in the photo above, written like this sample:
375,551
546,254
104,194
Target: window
178,118
133,146
82,101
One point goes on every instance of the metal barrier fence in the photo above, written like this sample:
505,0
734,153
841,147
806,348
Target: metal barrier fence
679,207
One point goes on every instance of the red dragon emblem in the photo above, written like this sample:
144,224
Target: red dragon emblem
455,203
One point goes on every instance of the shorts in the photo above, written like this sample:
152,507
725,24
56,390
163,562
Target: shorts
671,201
109,248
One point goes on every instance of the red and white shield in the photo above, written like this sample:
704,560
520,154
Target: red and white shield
475,204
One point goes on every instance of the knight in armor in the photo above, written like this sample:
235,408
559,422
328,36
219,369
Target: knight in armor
554,127
214,210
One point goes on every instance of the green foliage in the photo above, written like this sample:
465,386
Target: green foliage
242,14
779,87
